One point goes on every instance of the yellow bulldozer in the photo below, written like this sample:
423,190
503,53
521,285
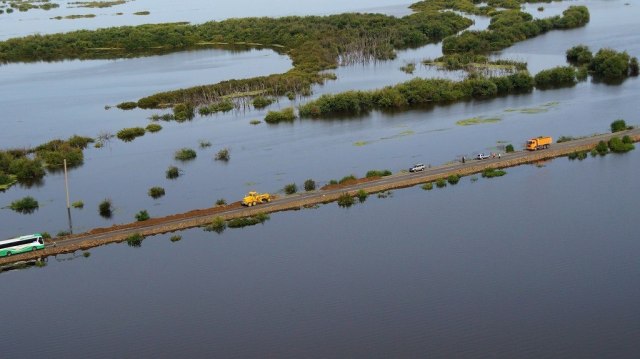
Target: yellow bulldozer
253,198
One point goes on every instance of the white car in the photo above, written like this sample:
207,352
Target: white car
417,167
482,156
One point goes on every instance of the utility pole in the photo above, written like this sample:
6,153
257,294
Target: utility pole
66,186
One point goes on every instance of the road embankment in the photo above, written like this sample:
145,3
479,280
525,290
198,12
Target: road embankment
201,217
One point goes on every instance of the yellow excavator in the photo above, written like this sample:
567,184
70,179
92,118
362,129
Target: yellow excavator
253,198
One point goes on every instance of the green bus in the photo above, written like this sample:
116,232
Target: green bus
22,244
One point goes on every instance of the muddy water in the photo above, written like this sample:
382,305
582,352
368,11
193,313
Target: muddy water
539,263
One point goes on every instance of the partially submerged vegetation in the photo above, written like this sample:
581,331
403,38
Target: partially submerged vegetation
130,134
156,192
25,205
493,172
185,154
105,208
248,221
286,115
607,64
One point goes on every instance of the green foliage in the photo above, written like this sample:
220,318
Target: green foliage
291,188
618,125
225,105
626,139
183,111
25,169
25,205
104,208
156,192
608,64
86,254
633,67
441,183
408,68
378,173
62,234
77,204
579,55
427,186
153,127
135,240
248,221
221,202
262,102
453,179
175,238
255,122
172,172
362,195
185,154
346,200
617,145
561,76
204,144
309,185
80,142
492,172
347,179
142,215
509,148
602,148
127,105
333,182
218,225
286,115
45,235
577,155
223,155
130,134
565,139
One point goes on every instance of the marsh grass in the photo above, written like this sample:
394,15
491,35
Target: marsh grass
135,240
130,134
185,154
172,172
26,205
493,172
153,127
477,121
218,225
156,192
248,221
105,208
346,200
427,186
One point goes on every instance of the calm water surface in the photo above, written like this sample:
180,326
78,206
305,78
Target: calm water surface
541,263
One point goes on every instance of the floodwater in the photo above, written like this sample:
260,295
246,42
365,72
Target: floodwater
540,263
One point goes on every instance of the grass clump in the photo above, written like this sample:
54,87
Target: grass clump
130,134
565,139
408,68
427,186
561,76
105,208
602,148
441,183
218,225
378,173
255,122
142,215
183,111
204,144
492,172
25,205
175,238
453,179
262,102
153,127
220,106
185,154
172,172
135,240
221,202
248,221
223,155
309,185
291,188
345,200
130,105
77,204
86,254
347,179
286,115
362,195
156,192
618,145
581,155
62,234
619,125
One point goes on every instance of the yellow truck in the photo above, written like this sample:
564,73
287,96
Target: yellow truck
253,198
539,143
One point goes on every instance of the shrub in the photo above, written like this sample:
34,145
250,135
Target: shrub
183,112
427,186
378,173
156,192
579,55
223,155
130,134
349,178
185,154
204,144
362,195
26,169
332,182
77,204
565,139
492,172
153,127
218,225
248,221
509,148
345,200
291,188
262,102
255,122
45,235
618,146
440,183
618,125
602,148
86,254
172,172
577,155
104,208
135,240
453,179
221,202
142,215
286,115
633,67
609,64
560,76
127,105
80,142
25,205
175,238
63,233
309,185
626,139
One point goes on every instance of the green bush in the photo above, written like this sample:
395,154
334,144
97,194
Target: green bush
142,215
185,154
156,192
104,208
172,172
378,173
135,240
609,64
602,148
627,140
616,145
453,179
579,55
492,172
262,102
221,202
153,127
345,200
333,182
427,186
362,195
509,148
441,182
130,134
223,155
63,234
127,105
175,238
560,76
248,221
218,225
633,67
291,188
26,170
309,185
77,204
25,205
286,115
348,178
618,125
204,144
183,111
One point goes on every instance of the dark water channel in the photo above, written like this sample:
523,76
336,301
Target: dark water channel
541,263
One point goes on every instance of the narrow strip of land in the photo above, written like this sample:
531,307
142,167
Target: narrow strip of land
196,218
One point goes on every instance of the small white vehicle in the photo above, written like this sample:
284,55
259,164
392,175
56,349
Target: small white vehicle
482,156
417,167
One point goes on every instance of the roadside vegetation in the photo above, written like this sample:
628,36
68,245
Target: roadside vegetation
26,205
290,188
218,225
493,172
346,200
135,240
248,221
143,215
309,185
378,173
